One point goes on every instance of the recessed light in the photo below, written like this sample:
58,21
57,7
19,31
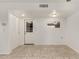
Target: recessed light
51,15
23,15
54,12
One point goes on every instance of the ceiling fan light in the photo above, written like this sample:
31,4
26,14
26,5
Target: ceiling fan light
54,15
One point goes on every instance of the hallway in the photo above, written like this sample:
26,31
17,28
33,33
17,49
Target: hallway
42,52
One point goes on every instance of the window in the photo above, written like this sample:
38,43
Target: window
29,26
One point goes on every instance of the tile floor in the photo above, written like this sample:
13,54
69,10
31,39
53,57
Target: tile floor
42,52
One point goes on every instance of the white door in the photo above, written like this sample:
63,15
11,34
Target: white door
28,35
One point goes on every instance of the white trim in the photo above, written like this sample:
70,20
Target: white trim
49,44
5,52
73,48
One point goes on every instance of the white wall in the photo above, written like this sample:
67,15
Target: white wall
14,32
72,32
44,34
21,31
4,42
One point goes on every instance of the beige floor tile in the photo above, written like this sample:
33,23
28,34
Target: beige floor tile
42,52
11,57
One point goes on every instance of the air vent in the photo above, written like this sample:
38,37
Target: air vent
43,5
68,0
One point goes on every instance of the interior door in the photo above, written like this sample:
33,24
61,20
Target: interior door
28,32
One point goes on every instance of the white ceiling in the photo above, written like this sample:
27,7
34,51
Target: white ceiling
34,1
31,8
40,13
34,11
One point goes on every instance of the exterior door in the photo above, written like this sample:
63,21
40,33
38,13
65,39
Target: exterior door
28,32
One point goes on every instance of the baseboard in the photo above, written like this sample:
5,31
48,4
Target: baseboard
49,44
73,49
5,52
29,44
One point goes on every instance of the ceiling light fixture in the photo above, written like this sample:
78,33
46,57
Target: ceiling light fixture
53,14
23,15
